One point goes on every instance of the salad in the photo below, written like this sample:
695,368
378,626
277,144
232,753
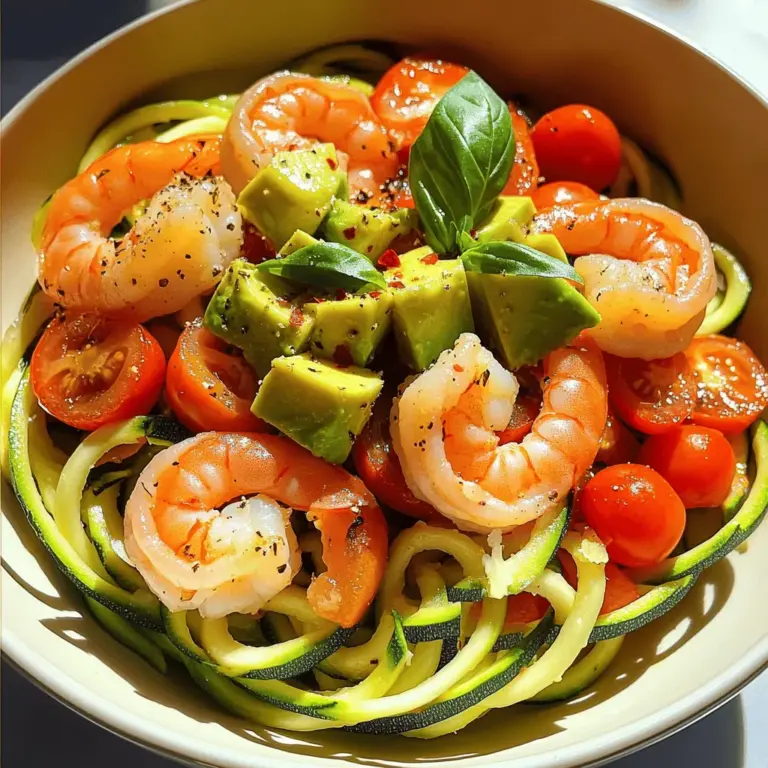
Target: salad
377,401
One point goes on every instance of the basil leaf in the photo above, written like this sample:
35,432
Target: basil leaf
461,161
327,265
508,258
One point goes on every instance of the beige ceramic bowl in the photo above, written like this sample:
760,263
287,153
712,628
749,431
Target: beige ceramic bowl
708,126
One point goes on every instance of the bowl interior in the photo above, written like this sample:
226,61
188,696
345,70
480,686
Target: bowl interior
684,108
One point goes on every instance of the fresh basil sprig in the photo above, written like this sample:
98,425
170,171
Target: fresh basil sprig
461,161
327,265
508,258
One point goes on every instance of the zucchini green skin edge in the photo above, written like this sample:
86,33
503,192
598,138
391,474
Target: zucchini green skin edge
469,692
736,530
142,610
737,290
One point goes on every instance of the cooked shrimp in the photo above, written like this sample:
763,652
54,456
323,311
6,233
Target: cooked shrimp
208,527
647,269
444,429
174,252
287,111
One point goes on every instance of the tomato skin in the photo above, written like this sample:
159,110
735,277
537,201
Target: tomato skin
651,396
635,512
522,608
379,468
524,176
524,413
562,192
209,388
256,247
620,590
731,383
617,445
407,93
88,371
578,143
699,463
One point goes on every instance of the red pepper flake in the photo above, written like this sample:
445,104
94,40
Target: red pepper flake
473,233
283,303
429,259
389,259
375,294
342,356
317,300
349,233
297,317
458,368
396,284
341,294
332,164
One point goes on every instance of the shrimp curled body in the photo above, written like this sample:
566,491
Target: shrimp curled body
175,251
647,269
444,429
208,526
287,111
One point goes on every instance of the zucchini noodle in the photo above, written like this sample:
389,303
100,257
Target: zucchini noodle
726,306
350,59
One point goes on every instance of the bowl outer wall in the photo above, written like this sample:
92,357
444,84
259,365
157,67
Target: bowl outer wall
663,93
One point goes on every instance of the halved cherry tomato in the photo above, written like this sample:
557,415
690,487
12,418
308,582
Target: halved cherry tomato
407,93
620,590
651,396
562,192
379,468
635,512
256,247
731,383
524,413
578,143
209,386
617,445
524,177
88,371
697,462
523,608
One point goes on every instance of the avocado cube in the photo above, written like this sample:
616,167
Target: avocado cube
369,232
296,241
320,405
294,191
258,313
547,243
351,327
430,305
509,220
525,318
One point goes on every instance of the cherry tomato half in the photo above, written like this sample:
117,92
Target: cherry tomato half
636,513
209,385
731,383
256,247
522,608
697,462
651,396
88,371
617,445
562,192
578,143
407,93
379,468
620,590
524,176
524,413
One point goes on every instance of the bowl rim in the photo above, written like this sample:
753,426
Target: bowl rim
597,751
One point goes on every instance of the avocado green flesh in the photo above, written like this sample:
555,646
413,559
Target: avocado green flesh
295,191
369,232
332,409
256,312
431,307
508,220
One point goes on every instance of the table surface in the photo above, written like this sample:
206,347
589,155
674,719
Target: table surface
734,736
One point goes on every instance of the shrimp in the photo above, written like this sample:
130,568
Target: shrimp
287,111
174,252
444,427
208,527
648,270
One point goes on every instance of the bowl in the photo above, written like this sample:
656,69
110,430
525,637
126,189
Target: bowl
672,99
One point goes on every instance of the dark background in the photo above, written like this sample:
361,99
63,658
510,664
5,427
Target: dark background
37,36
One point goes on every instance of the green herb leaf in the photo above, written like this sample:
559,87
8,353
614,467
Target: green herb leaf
327,265
508,258
461,161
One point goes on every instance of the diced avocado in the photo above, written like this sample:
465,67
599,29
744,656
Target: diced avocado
320,405
294,191
509,220
524,318
547,243
369,232
431,306
297,240
257,312
349,328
